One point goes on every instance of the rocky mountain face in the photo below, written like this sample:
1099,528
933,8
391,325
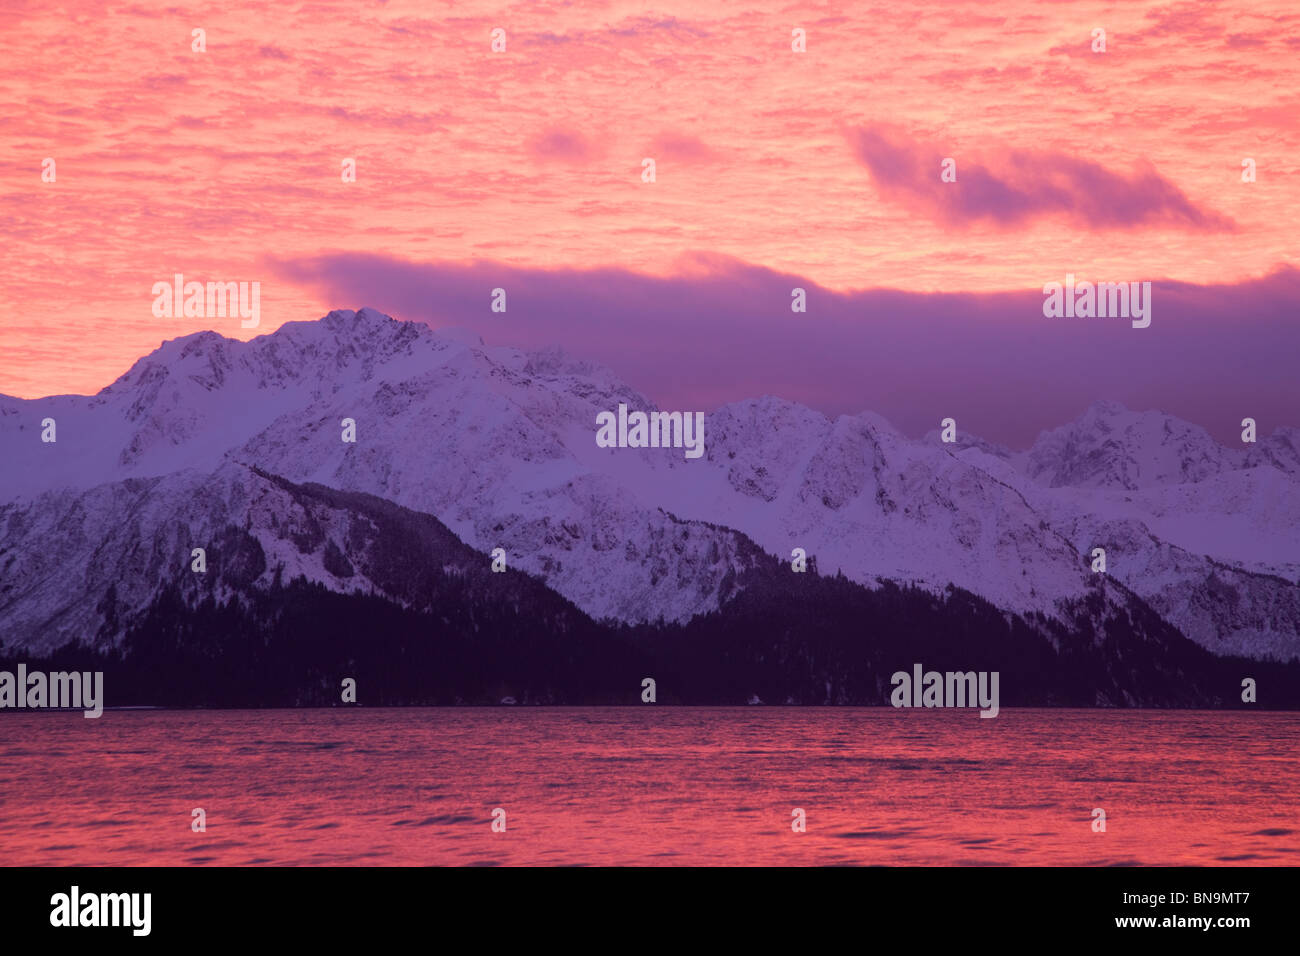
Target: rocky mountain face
348,586
208,443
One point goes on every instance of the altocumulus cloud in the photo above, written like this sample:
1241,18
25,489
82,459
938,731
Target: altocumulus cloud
564,145
1019,186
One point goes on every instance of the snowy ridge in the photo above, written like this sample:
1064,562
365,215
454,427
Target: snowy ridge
498,444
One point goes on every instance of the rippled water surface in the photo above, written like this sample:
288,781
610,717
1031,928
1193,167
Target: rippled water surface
649,785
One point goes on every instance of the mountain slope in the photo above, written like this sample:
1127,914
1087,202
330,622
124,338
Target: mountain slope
428,622
498,444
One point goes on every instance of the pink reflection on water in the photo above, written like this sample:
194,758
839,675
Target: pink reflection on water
649,785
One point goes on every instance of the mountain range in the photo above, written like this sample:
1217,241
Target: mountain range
618,559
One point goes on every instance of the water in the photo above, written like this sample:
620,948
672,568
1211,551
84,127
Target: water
649,785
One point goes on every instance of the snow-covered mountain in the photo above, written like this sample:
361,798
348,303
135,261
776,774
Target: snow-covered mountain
1112,447
499,445
1206,534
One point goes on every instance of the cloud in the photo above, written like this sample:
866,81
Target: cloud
565,145
681,148
646,25
721,330
1023,186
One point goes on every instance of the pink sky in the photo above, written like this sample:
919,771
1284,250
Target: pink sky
1122,165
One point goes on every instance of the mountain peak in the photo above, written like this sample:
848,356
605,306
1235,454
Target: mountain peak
1112,446
363,316
365,320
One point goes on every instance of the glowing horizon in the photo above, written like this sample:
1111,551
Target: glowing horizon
1120,165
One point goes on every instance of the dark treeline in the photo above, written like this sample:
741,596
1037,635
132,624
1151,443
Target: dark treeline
448,630
803,639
